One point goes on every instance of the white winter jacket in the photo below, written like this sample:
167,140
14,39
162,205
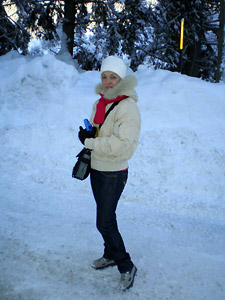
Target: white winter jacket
118,136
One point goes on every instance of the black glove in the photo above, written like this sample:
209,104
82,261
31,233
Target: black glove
83,134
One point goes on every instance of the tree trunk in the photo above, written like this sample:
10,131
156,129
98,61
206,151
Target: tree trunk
195,53
69,23
221,43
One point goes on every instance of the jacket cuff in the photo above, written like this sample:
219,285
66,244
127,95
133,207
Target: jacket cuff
88,143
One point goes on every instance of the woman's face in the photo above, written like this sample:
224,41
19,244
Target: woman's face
109,79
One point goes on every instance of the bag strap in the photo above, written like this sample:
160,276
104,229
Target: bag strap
110,109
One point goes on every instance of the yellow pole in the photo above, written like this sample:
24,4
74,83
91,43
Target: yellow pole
181,34
181,44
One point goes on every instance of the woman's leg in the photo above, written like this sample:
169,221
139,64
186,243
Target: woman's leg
107,188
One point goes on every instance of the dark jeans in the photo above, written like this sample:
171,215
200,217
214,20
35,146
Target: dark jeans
107,188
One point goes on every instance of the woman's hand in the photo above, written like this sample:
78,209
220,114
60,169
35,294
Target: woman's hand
83,134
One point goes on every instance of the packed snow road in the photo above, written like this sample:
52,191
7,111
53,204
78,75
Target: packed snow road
48,241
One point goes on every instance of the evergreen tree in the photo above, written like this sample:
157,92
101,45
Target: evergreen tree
136,17
103,38
89,41
112,29
199,37
120,28
32,17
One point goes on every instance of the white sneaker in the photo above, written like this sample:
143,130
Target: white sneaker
102,263
127,279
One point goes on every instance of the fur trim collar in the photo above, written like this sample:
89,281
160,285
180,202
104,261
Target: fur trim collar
124,87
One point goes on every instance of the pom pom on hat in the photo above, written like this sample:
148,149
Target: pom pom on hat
115,65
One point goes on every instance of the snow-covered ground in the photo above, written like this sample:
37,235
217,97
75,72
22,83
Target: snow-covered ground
172,212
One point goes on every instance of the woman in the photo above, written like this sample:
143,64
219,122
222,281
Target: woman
112,146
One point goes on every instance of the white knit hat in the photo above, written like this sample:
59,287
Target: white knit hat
115,65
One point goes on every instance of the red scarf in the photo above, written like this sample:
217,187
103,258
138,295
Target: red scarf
100,108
